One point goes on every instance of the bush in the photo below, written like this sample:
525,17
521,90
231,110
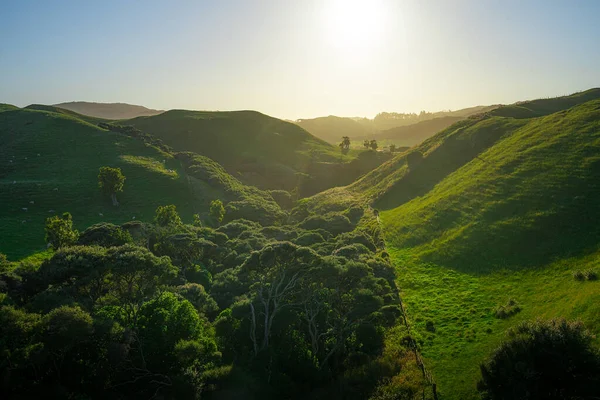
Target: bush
235,228
542,360
590,275
261,211
333,223
511,308
105,234
355,237
352,251
578,275
309,238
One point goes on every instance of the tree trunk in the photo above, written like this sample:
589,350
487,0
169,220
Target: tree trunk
113,197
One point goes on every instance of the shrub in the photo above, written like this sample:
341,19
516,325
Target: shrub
235,228
105,234
217,212
508,310
352,251
590,275
261,211
333,223
309,238
355,237
542,360
579,275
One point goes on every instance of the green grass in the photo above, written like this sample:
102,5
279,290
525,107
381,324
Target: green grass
53,159
257,149
528,200
498,208
49,163
461,307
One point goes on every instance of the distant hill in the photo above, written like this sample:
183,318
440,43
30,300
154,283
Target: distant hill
49,163
258,149
394,128
108,110
410,135
332,128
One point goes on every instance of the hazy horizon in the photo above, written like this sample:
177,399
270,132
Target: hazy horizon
298,59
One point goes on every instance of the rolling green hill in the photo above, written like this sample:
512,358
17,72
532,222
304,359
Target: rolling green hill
494,208
259,150
49,164
108,110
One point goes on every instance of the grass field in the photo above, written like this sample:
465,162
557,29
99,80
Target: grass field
461,307
49,163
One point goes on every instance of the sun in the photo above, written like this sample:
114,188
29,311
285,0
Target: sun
354,25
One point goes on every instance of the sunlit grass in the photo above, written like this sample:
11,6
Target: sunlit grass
461,308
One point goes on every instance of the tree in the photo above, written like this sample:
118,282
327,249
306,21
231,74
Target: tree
345,145
217,212
166,216
366,144
392,148
111,182
60,232
543,360
373,144
274,276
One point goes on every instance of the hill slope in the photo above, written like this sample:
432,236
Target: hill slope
259,150
387,128
494,208
108,110
49,164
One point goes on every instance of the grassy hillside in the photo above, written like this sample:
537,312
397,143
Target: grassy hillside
49,164
259,150
541,107
492,209
108,110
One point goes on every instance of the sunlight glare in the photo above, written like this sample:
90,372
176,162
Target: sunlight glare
354,25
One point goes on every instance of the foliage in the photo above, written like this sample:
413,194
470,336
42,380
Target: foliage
542,360
217,212
104,234
60,232
111,180
167,216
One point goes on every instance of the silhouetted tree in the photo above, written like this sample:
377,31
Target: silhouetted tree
345,145
367,144
373,144
392,148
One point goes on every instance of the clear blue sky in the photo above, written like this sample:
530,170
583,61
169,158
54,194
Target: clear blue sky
302,58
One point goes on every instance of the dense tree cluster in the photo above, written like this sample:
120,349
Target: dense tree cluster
170,310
